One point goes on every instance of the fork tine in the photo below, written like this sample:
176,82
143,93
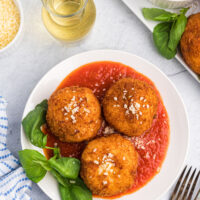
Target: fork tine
183,184
197,195
193,187
177,185
188,185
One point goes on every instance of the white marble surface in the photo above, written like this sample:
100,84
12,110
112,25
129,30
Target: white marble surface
116,28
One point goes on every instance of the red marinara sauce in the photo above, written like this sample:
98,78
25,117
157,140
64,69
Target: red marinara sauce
151,146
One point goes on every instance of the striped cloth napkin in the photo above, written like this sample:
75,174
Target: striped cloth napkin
14,185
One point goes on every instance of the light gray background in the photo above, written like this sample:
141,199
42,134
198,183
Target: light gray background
116,27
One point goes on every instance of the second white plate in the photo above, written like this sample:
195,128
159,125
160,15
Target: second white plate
136,7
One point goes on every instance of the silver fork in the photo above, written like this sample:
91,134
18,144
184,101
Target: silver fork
185,191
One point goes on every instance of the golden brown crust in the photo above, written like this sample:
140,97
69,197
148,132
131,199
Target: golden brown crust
190,43
74,114
108,165
130,106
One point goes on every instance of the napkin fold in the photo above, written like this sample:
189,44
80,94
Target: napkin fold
14,185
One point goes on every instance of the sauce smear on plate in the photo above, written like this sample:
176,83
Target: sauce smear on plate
151,146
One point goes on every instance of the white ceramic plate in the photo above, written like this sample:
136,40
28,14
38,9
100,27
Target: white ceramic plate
136,8
179,136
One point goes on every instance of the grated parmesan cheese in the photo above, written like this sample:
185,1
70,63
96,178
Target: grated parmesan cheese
96,162
105,182
108,130
9,22
72,181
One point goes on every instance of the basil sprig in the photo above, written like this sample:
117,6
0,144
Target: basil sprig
33,122
177,29
76,191
167,34
34,164
161,36
156,14
65,170
68,167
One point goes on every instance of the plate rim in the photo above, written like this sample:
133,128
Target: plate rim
143,60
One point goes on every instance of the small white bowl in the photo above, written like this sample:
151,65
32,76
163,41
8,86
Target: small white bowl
15,42
171,3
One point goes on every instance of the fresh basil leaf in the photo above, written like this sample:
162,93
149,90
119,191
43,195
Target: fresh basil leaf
43,104
166,17
65,193
176,32
157,14
34,164
80,183
76,191
61,180
161,38
80,194
67,167
33,122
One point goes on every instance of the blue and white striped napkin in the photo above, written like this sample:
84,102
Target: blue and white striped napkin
14,185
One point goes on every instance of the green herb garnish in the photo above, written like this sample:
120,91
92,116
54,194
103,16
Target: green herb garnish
68,167
34,164
76,191
167,34
178,27
161,39
156,14
65,171
33,122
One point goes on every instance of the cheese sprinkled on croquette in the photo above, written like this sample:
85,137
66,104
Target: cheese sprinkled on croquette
134,107
106,167
73,107
106,164
86,110
116,106
96,162
105,182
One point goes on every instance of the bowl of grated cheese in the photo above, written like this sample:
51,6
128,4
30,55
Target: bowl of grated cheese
11,22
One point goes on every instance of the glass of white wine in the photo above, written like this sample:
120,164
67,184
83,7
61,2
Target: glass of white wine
68,20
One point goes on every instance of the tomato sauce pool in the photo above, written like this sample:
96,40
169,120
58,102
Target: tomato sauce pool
151,146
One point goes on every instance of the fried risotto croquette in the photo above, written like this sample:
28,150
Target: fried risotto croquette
74,114
190,43
108,165
130,106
